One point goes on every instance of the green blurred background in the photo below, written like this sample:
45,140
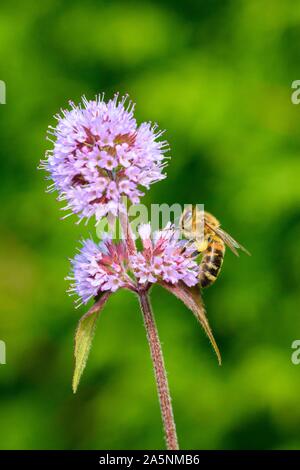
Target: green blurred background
217,75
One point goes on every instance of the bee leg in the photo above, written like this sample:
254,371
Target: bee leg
201,245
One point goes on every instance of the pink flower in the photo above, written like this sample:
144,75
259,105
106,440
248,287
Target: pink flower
98,268
97,142
107,266
165,258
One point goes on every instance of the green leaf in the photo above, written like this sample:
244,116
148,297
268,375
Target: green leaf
191,297
84,336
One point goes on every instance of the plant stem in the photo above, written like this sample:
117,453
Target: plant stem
160,373
127,232
155,348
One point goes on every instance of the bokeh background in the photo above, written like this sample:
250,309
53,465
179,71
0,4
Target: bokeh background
217,75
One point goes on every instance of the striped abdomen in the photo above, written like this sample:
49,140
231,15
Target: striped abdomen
211,262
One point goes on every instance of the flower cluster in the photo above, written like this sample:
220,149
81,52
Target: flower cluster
165,258
97,268
100,154
109,266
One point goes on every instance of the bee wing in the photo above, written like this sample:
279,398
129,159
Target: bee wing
229,241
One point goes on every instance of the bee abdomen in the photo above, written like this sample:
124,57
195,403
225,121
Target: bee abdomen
211,263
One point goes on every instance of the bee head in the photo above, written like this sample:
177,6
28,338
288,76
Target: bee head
192,222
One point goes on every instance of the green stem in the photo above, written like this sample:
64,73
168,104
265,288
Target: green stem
160,373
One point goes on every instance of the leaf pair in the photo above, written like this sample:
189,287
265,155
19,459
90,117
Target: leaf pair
190,296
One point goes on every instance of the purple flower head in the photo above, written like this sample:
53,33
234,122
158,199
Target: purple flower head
165,258
100,154
98,268
107,266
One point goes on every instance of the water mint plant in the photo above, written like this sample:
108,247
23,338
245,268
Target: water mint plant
101,155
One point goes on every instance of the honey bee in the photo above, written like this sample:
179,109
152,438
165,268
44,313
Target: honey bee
210,240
